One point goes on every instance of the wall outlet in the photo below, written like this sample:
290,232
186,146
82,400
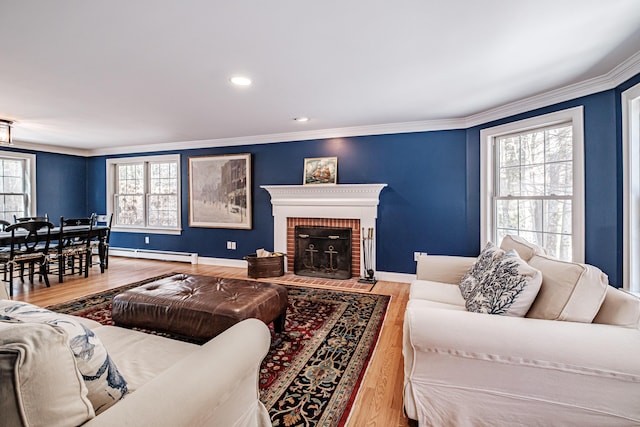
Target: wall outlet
146,240
416,255
231,245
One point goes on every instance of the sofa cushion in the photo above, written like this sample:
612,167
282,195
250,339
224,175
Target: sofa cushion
526,250
619,308
509,289
436,291
570,291
39,381
105,384
480,269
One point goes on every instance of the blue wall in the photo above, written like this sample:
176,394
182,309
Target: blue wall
431,204
61,184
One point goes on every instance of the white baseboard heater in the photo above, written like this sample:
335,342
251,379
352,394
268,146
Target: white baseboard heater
158,255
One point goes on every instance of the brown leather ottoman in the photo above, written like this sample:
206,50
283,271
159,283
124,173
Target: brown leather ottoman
199,307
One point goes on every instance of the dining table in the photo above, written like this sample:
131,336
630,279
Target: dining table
99,232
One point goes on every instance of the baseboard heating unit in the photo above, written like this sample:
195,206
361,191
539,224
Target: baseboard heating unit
158,255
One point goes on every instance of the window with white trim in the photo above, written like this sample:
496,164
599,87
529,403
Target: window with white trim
533,183
17,185
631,188
144,193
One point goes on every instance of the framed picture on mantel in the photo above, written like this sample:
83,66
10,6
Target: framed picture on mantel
220,191
321,170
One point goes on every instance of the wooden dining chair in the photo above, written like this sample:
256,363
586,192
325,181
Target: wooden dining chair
29,247
31,218
105,220
72,251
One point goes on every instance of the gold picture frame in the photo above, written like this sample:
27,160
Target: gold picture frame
220,191
320,171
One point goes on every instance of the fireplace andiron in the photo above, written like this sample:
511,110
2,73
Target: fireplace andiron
367,253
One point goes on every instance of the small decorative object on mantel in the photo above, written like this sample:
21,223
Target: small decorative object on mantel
367,254
321,170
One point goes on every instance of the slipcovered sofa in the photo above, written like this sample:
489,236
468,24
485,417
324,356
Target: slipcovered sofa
574,359
150,380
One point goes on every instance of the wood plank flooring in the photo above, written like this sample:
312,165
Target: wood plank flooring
379,402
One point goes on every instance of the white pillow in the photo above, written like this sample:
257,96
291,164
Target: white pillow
526,250
509,289
570,291
480,269
39,382
105,384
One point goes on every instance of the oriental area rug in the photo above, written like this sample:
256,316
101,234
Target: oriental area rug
312,372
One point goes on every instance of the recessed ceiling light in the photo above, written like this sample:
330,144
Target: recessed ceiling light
301,119
240,81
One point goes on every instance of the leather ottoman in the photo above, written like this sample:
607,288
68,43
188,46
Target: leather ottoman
199,307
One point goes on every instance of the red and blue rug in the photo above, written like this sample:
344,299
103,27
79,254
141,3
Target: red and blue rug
313,370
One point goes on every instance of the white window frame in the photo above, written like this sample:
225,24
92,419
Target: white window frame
111,191
487,176
631,189
30,179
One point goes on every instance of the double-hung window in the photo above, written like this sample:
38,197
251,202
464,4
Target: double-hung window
631,188
533,183
17,185
144,193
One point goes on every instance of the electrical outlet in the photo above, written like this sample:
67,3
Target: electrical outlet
231,245
146,240
416,255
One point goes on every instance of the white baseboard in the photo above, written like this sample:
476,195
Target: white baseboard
158,255
389,276
193,258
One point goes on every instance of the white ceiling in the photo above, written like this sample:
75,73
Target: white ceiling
105,75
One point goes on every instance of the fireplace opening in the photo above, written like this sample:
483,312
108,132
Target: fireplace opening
322,252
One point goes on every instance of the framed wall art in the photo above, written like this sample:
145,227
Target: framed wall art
220,191
321,170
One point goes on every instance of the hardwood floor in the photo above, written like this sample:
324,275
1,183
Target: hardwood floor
379,402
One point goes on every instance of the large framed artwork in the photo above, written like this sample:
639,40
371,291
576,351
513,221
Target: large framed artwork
320,170
220,191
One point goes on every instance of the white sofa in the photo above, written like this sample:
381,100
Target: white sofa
472,369
170,383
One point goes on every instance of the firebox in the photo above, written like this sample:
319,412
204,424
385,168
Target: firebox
322,252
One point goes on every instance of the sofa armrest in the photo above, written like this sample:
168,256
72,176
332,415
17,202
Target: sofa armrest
443,268
217,385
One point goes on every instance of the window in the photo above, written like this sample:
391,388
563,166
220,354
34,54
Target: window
144,193
631,188
533,183
17,185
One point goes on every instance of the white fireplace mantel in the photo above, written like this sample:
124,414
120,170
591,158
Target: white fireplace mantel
352,201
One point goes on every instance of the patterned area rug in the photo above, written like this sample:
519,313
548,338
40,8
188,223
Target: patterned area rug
313,370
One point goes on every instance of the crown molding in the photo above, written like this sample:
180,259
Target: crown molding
56,149
610,80
345,132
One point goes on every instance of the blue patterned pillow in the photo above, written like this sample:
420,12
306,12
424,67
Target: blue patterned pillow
105,384
480,269
509,287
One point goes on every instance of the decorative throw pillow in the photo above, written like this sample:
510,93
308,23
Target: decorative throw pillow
509,289
39,382
526,250
105,384
570,291
480,269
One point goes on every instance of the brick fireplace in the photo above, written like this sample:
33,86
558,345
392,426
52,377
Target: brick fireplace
356,243
342,205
